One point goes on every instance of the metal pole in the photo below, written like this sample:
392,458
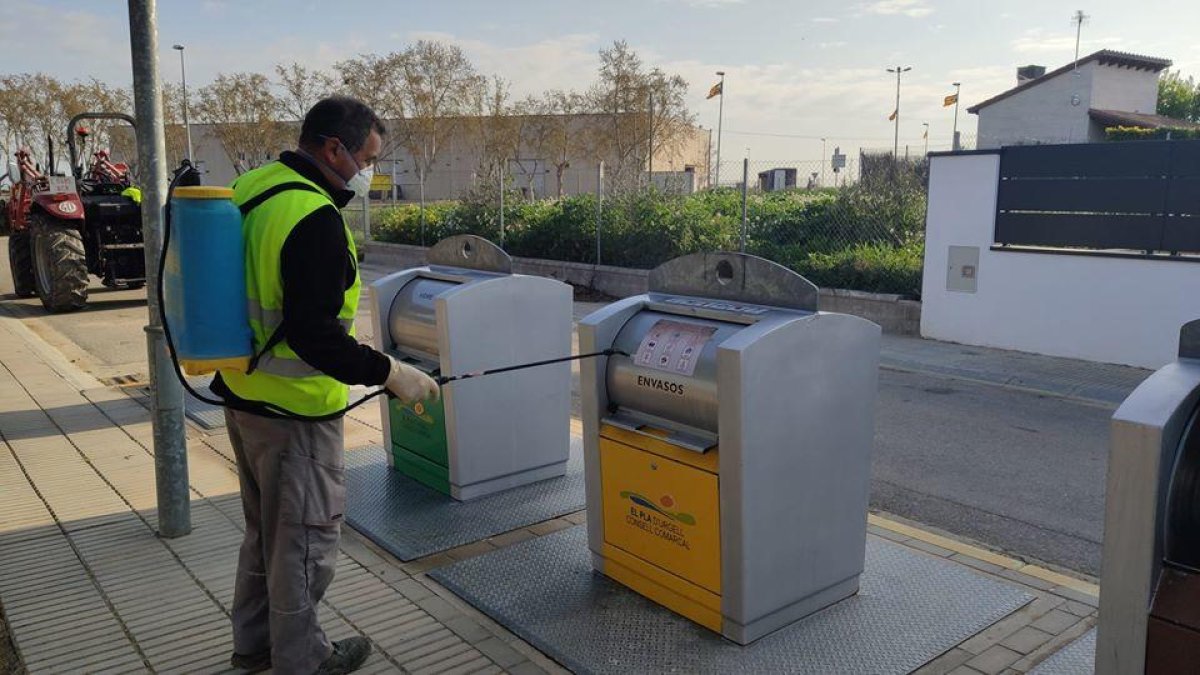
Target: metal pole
926,125
599,205
708,159
954,137
745,188
422,180
650,169
366,217
501,175
170,444
395,184
720,119
822,162
896,143
187,127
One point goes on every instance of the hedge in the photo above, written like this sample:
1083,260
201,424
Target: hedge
856,238
1143,134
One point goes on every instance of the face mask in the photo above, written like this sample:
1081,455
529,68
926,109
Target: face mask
360,182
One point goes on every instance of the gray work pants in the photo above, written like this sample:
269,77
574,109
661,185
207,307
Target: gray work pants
293,482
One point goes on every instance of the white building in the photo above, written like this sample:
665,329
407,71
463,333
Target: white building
1075,103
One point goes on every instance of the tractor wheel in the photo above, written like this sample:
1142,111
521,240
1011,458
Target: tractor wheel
20,261
59,263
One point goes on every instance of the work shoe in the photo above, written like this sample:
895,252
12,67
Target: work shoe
251,663
347,656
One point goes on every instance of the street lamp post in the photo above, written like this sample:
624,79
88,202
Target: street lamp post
896,145
822,162
187,127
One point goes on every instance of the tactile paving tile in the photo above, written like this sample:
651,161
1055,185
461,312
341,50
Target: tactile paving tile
1077,658
910,609
411,521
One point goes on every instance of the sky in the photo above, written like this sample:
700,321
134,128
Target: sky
796,70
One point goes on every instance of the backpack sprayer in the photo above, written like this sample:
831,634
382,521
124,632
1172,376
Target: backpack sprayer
202,294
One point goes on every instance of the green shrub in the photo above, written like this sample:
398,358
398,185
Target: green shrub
861,237
1143,134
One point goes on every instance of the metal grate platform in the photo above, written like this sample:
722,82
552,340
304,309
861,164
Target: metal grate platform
911,608
411,521
1077,658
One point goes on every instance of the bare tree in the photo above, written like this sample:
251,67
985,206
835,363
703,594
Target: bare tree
437,89
636,104
301,88
496,131
554,131
242,110
31,111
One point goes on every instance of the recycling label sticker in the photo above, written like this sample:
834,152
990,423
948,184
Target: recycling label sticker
673,346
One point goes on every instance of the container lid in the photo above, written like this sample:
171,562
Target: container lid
203,192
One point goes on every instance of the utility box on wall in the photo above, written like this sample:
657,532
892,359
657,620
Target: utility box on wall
962,272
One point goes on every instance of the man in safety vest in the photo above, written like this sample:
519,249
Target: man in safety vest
285,414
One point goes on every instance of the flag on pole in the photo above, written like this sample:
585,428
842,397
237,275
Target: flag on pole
892,117
926,134
717,90
949,100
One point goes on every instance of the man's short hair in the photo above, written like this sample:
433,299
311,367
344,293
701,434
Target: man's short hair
342,117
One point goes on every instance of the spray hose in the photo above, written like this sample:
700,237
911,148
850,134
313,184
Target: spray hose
259,407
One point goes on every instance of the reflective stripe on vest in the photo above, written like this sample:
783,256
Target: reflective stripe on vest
282,378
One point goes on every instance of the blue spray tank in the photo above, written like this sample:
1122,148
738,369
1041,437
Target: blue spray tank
205,282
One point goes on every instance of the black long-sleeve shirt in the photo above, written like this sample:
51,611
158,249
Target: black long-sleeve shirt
316,269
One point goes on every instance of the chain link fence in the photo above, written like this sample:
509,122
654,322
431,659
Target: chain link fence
860,227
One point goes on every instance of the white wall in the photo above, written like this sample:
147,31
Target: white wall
1113,310
1126,89
1040,114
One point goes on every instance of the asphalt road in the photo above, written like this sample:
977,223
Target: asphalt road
1014,470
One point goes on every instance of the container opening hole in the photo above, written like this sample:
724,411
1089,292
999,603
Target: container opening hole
467,249
724,272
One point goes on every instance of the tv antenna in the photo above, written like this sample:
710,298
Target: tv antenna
1078,18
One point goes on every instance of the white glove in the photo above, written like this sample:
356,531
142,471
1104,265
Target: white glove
411,385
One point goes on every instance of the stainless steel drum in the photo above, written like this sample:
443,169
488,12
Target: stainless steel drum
412,318
688,399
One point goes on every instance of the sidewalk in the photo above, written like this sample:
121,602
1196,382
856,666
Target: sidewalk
85,584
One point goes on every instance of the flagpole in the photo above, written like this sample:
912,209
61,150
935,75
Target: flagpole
954,136
926,125
720,119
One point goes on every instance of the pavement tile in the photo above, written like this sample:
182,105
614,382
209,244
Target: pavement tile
471,550
412,589
550,526
526,668
468,629
1055,621
512,537
929,548
944,663
994,660
1077,596
433,653
1026,640
499,652
1079,608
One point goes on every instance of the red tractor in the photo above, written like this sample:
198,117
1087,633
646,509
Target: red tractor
63,227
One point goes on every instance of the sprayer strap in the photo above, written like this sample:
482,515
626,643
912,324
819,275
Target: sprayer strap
277,336
254,202
263,196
